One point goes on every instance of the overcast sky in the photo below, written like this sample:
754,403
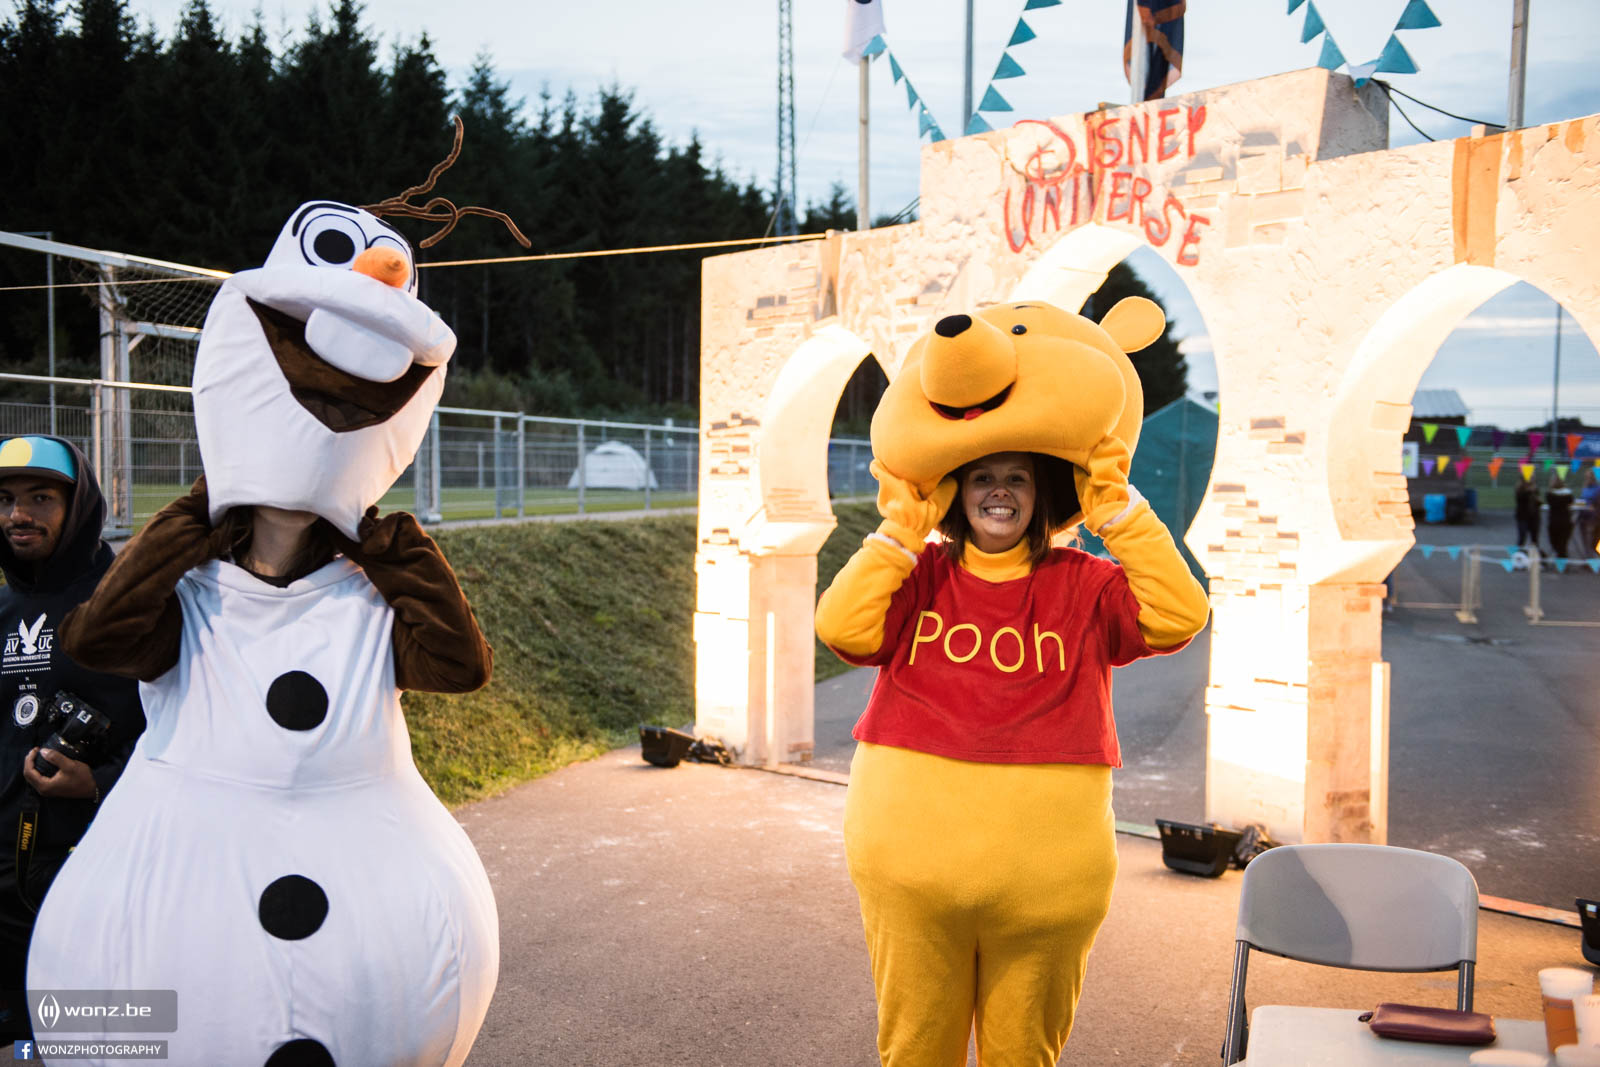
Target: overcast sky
710,67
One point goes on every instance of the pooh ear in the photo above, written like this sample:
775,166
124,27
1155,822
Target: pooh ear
1134,323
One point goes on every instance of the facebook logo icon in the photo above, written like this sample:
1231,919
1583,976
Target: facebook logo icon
22,1050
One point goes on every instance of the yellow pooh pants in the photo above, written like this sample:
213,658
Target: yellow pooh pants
982,886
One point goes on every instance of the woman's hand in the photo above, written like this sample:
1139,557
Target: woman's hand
1103,488
911,511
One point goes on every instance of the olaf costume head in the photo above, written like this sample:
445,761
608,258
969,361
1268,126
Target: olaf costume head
318,371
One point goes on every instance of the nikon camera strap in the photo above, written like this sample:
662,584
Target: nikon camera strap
27,840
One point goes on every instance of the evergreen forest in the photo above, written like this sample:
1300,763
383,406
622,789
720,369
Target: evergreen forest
192,147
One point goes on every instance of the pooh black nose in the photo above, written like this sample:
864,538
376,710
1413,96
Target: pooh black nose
951,325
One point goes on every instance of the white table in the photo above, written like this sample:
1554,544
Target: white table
1336,1037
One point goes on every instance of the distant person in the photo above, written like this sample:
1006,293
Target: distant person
1558,525
1527,511
1589,517
51,514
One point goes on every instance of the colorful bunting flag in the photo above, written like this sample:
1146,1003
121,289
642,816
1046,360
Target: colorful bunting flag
1395,59
1498,435
1455,551
976,125
1294,4
1362,72
1008,68
1561,564
1573,441
1494,467
912,99
993,101
1462,463
1033,5
1331,58
1507,565
1534,441
1549,463
875,47
1428,430
1427,551
1427,466
1444,464
1594,565
894,68
1463,435
1527,471
1417,16
1021,35
1313,25
1561,471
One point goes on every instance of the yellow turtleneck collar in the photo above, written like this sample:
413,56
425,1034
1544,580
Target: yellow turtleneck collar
998,566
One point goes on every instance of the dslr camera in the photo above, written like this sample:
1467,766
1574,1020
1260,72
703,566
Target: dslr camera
76,729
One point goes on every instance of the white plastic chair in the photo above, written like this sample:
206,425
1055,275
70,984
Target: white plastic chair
1365,907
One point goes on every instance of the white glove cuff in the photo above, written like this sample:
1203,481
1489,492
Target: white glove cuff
886,539
1135,498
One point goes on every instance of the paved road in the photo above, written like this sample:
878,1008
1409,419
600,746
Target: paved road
1494,726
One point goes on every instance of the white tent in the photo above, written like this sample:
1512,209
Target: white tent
614,465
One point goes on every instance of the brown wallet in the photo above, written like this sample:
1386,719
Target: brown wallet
1442,1026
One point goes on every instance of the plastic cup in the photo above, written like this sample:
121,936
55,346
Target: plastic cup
1586,1011
1560,986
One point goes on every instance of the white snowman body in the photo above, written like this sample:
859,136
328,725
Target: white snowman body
271,852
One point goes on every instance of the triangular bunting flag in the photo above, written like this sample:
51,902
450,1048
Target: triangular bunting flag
1498,436
1331,58
924,122
1427,551
1008,68
1417,16
1362,72
1427,466
1573,441
1455,551
1463,435
1527,470
1462,463
1022,34
1594,565
894,68
1549,463
1512,550
1494,467
976,125
1292,5
911,94
993,101
1561,564
1444,464
936,134
1395,59
1561,469
875,47
1428,430
1534,441
1508,565
1034,5
1313,24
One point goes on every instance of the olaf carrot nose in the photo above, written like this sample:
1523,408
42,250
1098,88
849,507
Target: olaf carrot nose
385,264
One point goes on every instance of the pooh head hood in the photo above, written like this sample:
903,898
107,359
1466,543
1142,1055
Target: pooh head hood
1025,377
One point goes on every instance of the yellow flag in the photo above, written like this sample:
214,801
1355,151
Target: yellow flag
1527,471
1444,461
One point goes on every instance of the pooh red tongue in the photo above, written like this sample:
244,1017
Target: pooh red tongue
972,413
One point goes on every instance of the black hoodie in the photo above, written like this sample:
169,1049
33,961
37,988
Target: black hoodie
33,667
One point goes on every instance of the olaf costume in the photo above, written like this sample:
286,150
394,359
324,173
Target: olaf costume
272,853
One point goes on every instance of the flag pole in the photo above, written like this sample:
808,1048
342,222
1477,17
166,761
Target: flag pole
1519,63
863,211
1136,56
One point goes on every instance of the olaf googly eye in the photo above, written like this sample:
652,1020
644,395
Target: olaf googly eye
332,240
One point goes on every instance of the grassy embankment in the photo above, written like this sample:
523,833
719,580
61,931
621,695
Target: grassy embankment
592,627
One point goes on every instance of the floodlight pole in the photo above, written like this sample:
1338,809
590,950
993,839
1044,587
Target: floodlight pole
49,318
1519,63
863,211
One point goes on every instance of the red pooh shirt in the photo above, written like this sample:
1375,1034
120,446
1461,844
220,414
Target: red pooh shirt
1014,671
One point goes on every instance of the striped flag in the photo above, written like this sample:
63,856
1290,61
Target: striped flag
1163,36
863,20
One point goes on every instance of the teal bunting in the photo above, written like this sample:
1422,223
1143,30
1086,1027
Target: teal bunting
976,125
1594,565
1313,24
1427,551
1507,565
937,133
1008,68
1034,5
1395,59
1417,16
911,95
924,122
1561,565
993,101
1463,435
1021,35
1455,551
875,47
894,68
1292,5
1331,58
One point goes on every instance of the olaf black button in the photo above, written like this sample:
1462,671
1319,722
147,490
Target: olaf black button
292,908
297,701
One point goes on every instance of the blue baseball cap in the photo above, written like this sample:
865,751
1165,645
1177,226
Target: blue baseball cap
37,455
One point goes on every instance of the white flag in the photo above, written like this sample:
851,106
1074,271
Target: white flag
863,20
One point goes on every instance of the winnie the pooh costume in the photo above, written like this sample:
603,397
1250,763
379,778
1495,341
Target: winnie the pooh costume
978,827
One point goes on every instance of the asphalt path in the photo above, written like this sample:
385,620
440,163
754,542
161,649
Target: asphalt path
1494,751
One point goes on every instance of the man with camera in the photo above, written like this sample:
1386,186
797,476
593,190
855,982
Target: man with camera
65,732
